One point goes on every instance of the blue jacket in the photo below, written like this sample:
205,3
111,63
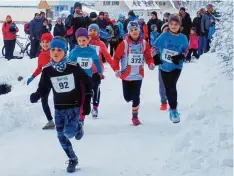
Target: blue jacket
206,21
153,36
121,28
35,28
86,57
169,45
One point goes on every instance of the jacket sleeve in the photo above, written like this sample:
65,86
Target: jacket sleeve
203,23
118,56
85,79
97,62
147,54
44,84
72,56
39,68
105,53
31,28
4,29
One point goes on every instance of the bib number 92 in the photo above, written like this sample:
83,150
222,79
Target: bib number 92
63,85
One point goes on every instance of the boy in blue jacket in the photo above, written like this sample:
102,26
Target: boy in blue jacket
86,56
153,34
173,48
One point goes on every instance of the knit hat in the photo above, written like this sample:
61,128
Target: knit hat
46,36
93,15
153,26
182,8
194,29
132,25
82,32
8,16
77,5
94,26
154,13
164,26
101,13
174,17
131,13
121,16
59,42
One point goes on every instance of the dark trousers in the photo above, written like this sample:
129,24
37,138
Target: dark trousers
45,106
35,48
170,80
9,48
194,52
96,82
113,47
131,91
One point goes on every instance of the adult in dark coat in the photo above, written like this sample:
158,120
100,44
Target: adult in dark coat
45,28
131,17
186,22
93,18
197,21
59,29
154,21
101,22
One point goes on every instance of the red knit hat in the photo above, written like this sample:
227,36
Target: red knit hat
46,36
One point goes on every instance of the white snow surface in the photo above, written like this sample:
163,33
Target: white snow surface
201,145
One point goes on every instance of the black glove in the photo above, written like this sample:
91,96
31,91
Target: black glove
176,59
87,105
34,97
157,60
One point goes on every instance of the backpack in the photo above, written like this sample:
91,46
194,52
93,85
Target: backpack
26,28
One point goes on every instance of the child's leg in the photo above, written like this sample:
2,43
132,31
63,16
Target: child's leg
162,90
170,80
45,106
96,81
127,88
136,91
62,123
195,53
188,58
82,117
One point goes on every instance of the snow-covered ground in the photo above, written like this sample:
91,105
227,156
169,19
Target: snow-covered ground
201,145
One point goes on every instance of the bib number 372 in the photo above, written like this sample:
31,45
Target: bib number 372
135,59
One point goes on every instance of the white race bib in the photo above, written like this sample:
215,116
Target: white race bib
167,54
85,63
97,48
62,84
135,59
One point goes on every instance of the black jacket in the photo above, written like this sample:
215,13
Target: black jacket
157,22
186,24
197,25
59,30
116,37
44,30
66,85
79,22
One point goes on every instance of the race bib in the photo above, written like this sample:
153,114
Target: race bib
135,59
85,63
97,48
167,54
62,84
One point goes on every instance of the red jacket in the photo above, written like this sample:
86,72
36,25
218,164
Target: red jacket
145,32
193,42
7,35
43,60
102,50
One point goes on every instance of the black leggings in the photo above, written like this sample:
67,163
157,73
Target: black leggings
170,80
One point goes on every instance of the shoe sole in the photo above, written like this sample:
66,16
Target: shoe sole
48,128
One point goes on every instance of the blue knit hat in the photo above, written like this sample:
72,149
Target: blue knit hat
121,16
94,26
59,42
132,25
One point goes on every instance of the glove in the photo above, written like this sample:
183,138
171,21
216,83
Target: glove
157,60
34,97
176,59
152,66
117,73
30,80
102,76
87,105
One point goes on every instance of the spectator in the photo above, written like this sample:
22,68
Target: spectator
106,17
45,28
35,28
131,17
101,22
69,29
50,24
80,20
9,30
120,23
193,45
144,29
186,22
153,34
42,15
166,17
197,21
154,20
115,38
59,29
93,18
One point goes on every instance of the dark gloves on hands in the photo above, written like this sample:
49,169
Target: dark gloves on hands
34,97
176,59
157,60
87,105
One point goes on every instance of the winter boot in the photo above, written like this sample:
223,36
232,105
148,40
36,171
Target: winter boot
135,119
72,163
163,107
95,112
49,125
174,116
80,131
82,121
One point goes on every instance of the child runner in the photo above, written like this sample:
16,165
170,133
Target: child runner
96,79
173,48
86,56
193,45
153,34
43,60
131,53
65,78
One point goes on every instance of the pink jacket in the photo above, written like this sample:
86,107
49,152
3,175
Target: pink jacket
193,42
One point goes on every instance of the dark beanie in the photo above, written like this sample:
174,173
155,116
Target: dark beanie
93,15
154,13
78,4
101,13
131,13
182,8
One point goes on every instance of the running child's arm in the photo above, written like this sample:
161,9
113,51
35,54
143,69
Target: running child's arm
147,54
118,56
97,63
72,57
39,68
106,54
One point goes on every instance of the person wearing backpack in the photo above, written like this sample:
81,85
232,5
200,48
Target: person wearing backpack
9,30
